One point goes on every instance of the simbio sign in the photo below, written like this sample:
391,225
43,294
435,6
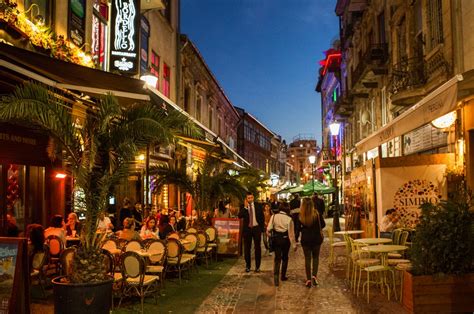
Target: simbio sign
124,46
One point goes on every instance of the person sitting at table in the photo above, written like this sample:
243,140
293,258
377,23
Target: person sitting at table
73,226
388,224
35,235
193,220
128,233
173,223
56,228
180,221
149,229
164,227
104,224
205,220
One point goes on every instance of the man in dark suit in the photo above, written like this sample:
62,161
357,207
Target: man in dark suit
318,203
253,226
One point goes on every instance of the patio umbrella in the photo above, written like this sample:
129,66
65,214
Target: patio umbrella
319,187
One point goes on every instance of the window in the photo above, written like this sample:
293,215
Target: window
166,12
155,66
219,126
402,41
435,23
100,18
198,108
383,99
210,117
187,100
166,80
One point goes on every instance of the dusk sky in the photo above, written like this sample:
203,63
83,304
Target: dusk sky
265,54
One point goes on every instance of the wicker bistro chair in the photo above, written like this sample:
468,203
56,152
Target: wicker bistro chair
212,235
66,260
38,261
190,248
56,246
203,251
110,267
133,245
175,262
335,247
135,281
157,259
173,235
191,230
402,241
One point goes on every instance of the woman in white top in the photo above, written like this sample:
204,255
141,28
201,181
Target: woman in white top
281,225
149,229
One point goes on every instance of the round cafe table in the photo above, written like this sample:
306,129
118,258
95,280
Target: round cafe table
70,241
372,241
384,250
350,232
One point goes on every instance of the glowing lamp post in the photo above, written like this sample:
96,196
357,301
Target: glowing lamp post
312,160
334,129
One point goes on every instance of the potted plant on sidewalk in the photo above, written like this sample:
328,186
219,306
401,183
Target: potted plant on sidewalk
442,254
98,153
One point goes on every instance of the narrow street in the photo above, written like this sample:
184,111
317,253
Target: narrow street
239,292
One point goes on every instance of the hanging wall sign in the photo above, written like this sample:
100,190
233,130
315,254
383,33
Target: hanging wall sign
124,45
77,21
145,36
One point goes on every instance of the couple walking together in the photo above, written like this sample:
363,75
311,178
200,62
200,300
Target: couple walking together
310,224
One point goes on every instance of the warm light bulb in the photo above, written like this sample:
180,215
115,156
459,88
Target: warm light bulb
444,121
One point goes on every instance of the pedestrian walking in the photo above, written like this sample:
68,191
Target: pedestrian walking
267,214
280,228
253,226
295,204
311,224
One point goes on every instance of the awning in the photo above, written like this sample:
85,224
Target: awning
441,101
310,188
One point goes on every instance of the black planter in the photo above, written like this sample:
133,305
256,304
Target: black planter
80,298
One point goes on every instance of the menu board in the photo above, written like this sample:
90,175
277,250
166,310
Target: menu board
424,138
13,276
228,235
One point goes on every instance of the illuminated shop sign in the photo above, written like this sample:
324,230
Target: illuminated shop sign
77,21
124,45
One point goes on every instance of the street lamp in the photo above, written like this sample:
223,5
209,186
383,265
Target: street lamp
334,129
312,160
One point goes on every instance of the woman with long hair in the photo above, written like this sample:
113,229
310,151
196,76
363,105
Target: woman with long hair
311,225
149,229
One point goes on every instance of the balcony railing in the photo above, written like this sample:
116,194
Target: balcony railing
410,73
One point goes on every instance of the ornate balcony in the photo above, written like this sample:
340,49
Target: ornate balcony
407,81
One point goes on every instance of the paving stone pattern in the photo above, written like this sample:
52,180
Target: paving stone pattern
241,292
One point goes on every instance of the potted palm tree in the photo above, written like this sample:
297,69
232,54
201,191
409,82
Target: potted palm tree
98,154
442,255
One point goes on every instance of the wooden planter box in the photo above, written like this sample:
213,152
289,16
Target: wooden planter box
447,294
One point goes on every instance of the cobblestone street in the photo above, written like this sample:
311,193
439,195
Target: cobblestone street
240,292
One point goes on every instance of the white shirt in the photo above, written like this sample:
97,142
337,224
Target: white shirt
254,219
103,224
387,225
280,222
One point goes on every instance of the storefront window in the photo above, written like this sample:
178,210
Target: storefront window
166,80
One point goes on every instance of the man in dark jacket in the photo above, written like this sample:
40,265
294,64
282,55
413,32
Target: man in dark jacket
318,203
253,226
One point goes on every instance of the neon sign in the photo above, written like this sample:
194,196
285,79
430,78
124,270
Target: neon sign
124,46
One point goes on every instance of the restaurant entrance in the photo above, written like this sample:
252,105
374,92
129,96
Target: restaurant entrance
28,186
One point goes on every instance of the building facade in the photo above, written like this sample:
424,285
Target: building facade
298,153
403,66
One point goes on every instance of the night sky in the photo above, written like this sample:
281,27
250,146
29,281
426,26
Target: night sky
265,54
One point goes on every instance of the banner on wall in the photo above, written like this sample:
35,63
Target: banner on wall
77,21
124,39
144,38
406,188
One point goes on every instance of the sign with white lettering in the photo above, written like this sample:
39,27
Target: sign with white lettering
77,21
124,45
145,36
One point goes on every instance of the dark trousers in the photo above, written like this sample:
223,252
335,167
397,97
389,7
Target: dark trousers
311,258
296,224
282,248
254,234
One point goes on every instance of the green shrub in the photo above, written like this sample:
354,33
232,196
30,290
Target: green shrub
443,243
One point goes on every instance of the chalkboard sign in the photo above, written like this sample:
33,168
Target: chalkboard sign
229,231
14,293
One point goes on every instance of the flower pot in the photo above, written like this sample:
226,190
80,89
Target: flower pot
445,294
72,298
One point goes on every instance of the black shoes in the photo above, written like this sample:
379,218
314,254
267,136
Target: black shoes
247,270
257,270
284,278
308,284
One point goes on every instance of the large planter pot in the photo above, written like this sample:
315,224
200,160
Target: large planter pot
72,298
445,294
